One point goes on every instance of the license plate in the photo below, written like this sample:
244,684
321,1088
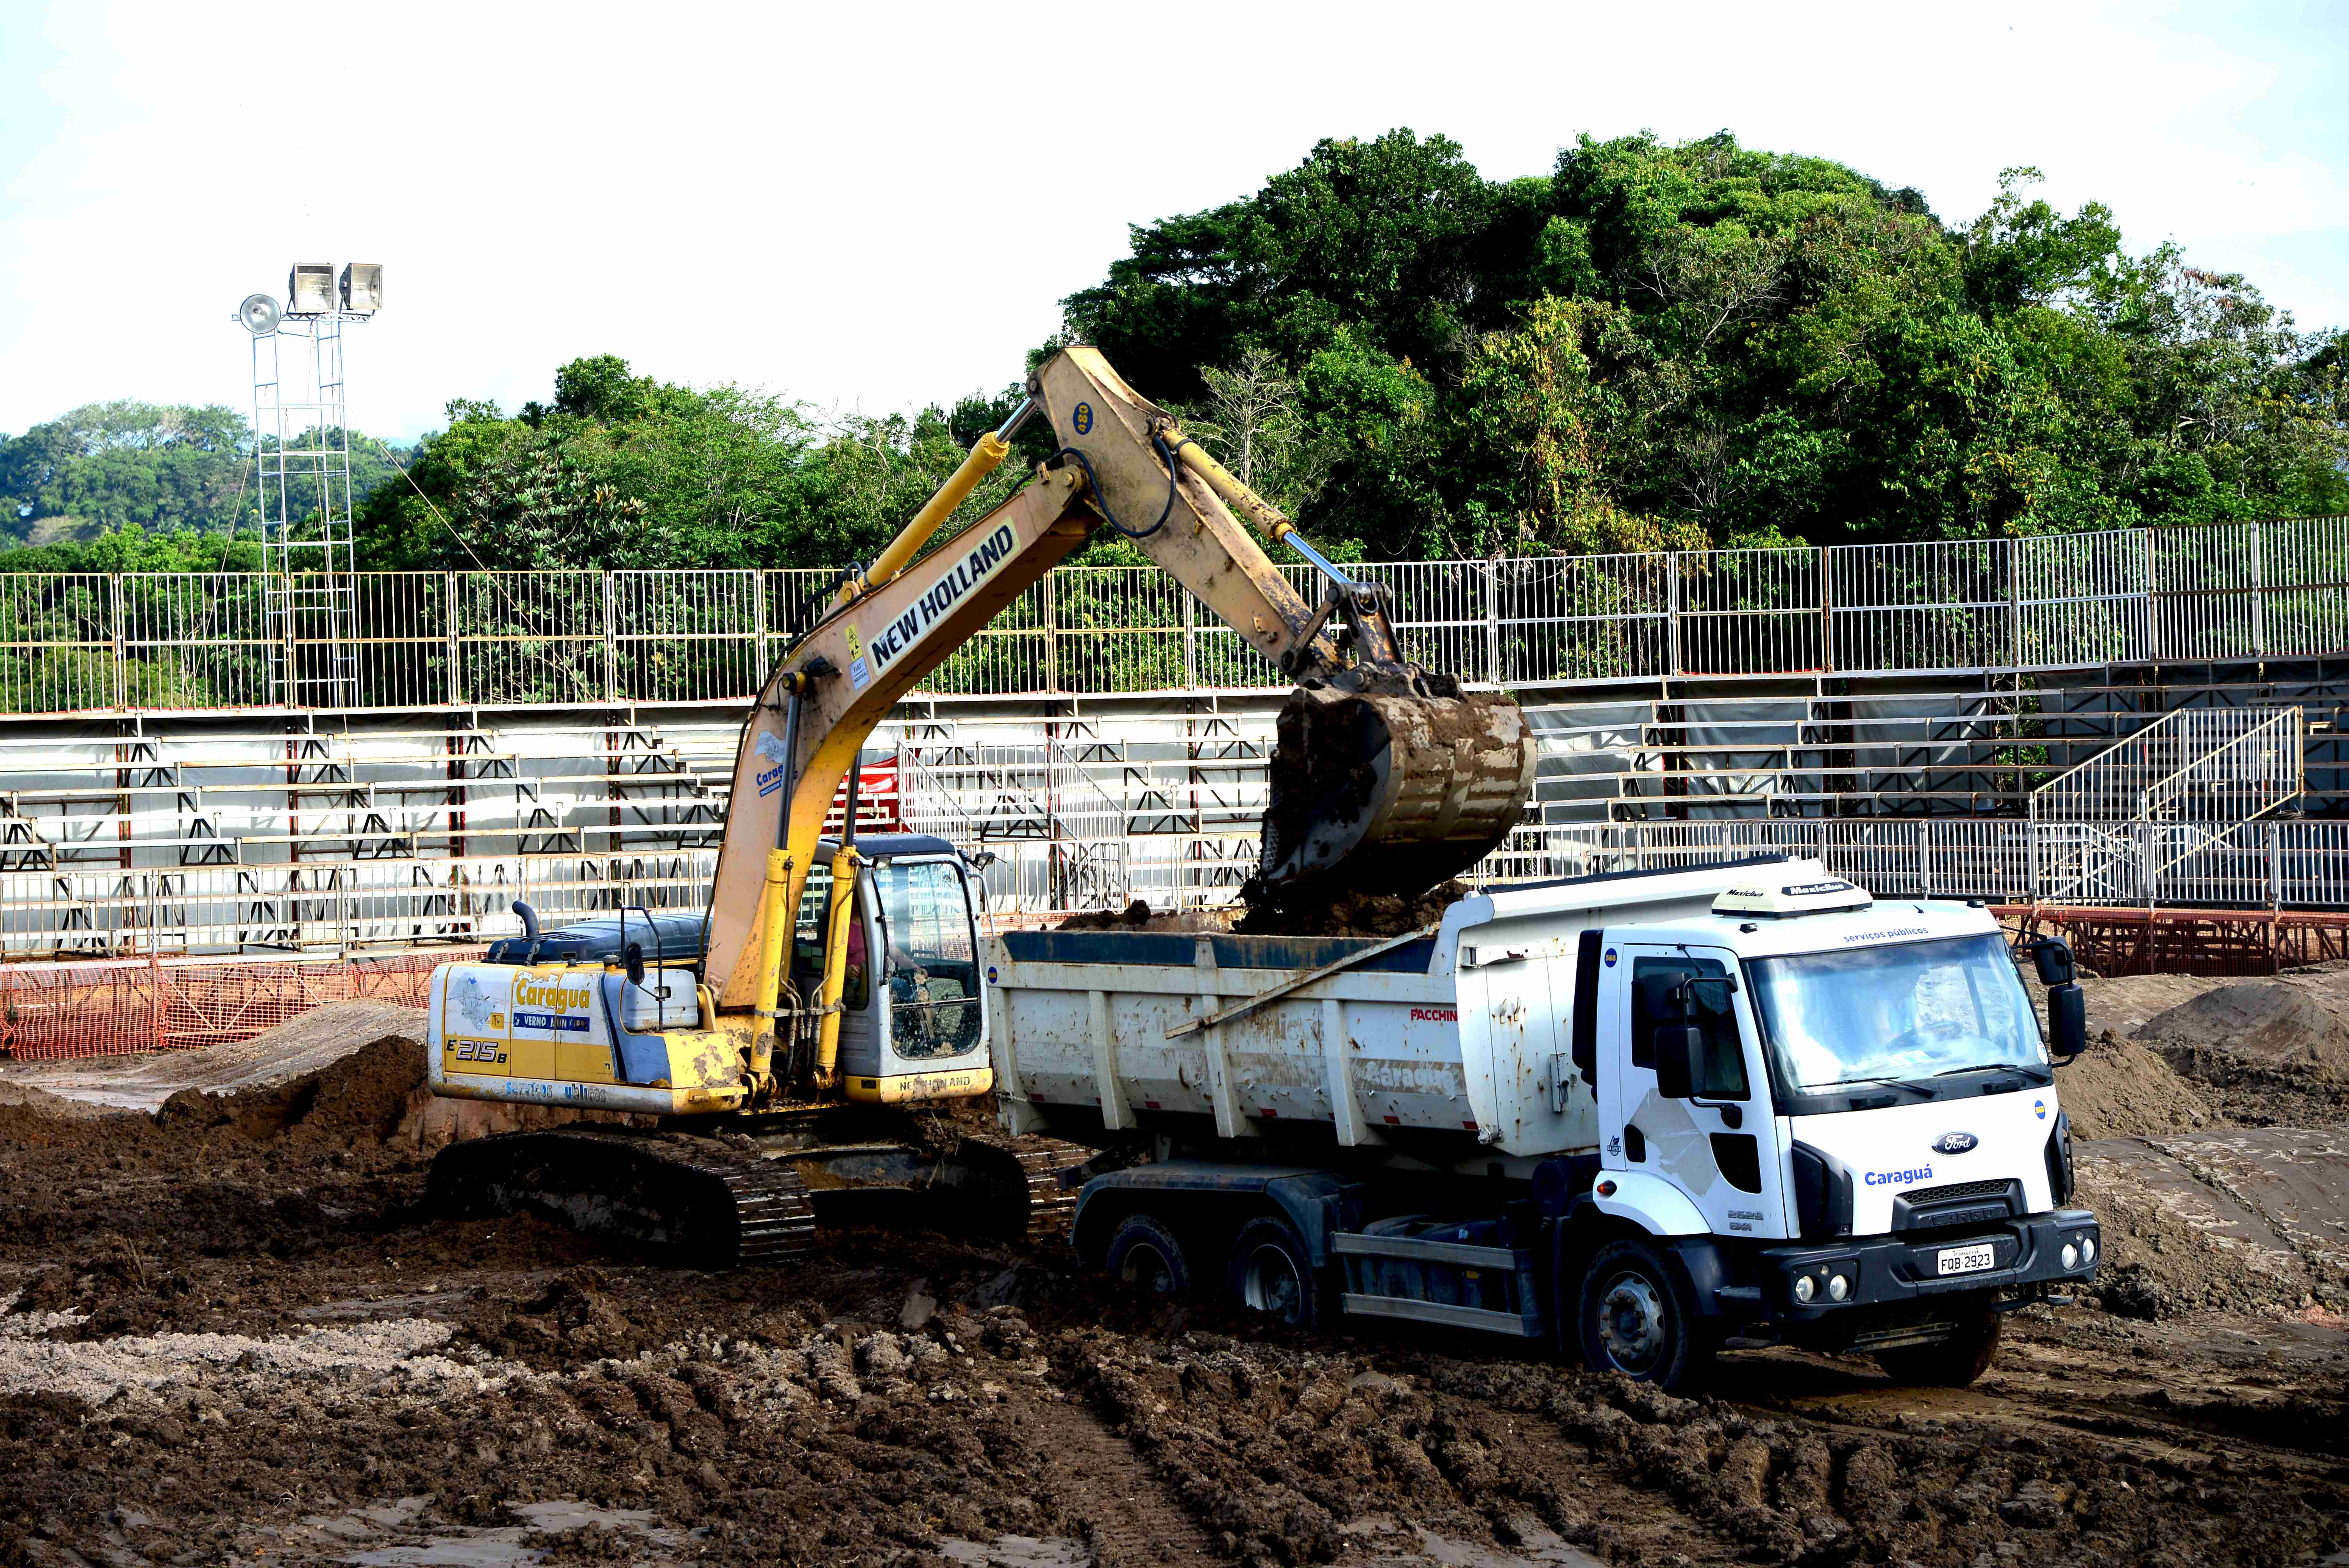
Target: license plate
1967,1260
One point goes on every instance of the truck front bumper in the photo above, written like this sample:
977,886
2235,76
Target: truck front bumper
1881,1270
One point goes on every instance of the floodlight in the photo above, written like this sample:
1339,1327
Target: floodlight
363,287
260,315
310,288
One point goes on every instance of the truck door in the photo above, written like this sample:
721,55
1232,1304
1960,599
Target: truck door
1718,1144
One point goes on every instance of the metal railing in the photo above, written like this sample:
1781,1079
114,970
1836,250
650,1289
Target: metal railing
80,643
2210,764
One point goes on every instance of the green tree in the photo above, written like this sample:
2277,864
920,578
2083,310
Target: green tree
1664,342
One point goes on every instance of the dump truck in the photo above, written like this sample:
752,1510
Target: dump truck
1640,1116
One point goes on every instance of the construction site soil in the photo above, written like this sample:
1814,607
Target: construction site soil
236,1333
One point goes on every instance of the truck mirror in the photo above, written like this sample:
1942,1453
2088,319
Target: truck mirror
1709,996
1678,1048
2053,961
635,956
2067,1021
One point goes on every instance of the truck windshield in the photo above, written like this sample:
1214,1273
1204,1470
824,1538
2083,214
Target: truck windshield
1918,1011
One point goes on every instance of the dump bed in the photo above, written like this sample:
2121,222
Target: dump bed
1452,1044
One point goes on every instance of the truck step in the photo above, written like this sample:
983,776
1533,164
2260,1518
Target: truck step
1394,1274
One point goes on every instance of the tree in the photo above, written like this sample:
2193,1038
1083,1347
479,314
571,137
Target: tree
1704,340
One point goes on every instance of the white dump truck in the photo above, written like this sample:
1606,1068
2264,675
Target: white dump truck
1640,1116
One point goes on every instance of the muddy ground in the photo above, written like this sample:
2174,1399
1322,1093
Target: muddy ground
236,1335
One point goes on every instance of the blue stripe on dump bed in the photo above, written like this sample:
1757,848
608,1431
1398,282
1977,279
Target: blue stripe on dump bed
1179,949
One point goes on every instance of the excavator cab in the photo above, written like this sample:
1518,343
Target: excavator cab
911,1004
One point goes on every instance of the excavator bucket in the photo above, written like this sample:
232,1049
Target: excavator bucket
1389,793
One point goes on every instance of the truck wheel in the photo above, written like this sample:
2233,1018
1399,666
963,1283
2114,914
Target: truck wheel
1272,1272
1956,1361
1635,1318
1144,1256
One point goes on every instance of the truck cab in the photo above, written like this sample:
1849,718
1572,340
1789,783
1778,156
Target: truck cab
1843,1111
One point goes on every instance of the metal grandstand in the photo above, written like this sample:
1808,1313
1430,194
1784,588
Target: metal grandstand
2147,717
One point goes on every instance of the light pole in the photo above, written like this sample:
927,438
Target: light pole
302,472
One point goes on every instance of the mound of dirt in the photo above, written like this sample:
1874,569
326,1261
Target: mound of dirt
1138,916
2175,1244
44,1103
2119,1089
2124,1004
307,1043
1351,913
574,1319
2265,1020
367,1093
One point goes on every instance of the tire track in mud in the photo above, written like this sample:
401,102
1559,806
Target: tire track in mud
1134,1518
2020,1396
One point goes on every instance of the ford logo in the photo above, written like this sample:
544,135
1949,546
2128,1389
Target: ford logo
1954,1142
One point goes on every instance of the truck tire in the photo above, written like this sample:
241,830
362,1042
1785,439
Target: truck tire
1956,1361
1271,1271
1145,1256
1635,1317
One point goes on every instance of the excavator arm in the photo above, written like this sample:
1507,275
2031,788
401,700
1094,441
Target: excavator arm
1373,751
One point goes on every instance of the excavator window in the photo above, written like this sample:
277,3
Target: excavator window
807,942
933,962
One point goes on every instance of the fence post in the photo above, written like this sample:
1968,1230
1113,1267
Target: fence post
2013,552
1826,614
2152,599
1190,637
2275,866
1048,608
1672,607
2259,596
759,626
611,637
1493,623
448,600
115,618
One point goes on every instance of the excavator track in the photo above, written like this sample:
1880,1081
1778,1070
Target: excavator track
715,1201
1051,1206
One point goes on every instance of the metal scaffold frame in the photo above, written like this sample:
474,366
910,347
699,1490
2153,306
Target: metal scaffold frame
302,470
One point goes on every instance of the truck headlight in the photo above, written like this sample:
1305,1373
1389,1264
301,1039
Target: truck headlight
2087,1249
1804,1287
2071,1256
1839,1287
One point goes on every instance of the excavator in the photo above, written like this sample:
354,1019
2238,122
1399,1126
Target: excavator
783,1057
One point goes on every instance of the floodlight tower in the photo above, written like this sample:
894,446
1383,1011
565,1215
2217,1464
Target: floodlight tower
302,469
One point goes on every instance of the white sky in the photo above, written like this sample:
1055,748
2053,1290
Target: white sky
875,206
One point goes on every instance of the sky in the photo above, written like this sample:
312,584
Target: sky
868,208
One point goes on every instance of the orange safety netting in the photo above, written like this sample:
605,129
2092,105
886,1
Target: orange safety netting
53,1011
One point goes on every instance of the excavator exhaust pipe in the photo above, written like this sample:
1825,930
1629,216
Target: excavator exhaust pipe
1389,792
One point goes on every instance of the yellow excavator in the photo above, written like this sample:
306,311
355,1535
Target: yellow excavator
772,1052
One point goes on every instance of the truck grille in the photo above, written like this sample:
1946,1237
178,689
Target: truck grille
1959,1203
1958,1192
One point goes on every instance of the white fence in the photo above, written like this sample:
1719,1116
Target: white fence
164,642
